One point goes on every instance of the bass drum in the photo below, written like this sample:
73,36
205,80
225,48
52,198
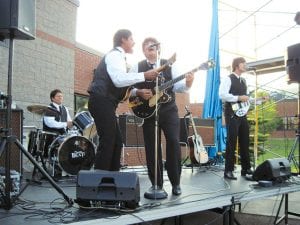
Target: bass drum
72,154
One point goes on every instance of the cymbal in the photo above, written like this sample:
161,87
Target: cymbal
37,109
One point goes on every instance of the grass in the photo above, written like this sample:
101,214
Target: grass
279,148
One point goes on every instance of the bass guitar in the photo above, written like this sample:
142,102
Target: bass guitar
198,153
240,109
146,108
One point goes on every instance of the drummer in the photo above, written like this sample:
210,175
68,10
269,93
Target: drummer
57,118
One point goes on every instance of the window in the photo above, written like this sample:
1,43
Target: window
81,103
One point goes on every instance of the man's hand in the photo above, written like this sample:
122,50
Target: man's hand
150,74
144,93
189,78
69,124
243,98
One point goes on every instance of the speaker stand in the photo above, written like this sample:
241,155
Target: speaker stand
291,157
8,139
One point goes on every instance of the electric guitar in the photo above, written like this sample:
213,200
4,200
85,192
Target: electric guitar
240,109
198,153
145,108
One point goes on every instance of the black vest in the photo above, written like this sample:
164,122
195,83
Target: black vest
238,87
166,75
102,84
58,116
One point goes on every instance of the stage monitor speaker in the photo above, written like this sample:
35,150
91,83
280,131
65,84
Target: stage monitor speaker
206,129
17,19
17,130
113,186
131,130
276,170
293,63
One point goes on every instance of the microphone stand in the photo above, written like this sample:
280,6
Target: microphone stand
156,192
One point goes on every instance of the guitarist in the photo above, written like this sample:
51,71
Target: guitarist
107,89
168,119
233,88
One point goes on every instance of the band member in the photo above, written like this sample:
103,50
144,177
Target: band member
233,89
57,117
107,89
168,119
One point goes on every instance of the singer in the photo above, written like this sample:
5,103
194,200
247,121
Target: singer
168,120
233,89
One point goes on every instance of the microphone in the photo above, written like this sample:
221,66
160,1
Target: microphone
154,45
248,68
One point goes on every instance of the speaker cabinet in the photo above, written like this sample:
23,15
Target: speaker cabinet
17,19
293,63
17,130
101,185
131,130
278,169
206,129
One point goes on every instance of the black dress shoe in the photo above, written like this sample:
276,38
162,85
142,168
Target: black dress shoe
176,190
229,175
246,172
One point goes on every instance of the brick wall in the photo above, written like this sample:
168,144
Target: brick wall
86,61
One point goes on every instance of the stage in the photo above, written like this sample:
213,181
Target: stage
202,189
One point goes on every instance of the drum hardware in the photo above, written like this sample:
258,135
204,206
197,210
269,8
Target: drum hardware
38,145
85,123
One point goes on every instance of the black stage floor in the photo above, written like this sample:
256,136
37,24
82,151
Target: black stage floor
202,189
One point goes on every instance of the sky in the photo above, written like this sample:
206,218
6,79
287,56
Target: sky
256,29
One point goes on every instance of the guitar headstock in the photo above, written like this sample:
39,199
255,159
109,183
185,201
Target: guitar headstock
169,63
207,65
171,60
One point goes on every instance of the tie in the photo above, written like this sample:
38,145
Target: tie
60,109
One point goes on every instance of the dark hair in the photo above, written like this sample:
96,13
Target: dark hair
149,39
236,62
119,35
54,92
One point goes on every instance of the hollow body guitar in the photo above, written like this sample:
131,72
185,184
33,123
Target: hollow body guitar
146,108
198,153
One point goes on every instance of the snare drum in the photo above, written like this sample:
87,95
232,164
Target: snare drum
85,123
72,154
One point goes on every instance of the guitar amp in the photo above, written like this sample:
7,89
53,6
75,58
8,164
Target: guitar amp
131,130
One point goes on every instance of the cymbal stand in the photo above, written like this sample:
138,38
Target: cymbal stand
8,139
156,192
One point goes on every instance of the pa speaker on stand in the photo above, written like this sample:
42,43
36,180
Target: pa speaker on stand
17,18
293,71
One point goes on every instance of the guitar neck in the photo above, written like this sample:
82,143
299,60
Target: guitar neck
169,83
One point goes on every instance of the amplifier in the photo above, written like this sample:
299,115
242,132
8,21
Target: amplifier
17,130
277,170
112,186
131,130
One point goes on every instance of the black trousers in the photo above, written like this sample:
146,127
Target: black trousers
110,142
168,122
237,128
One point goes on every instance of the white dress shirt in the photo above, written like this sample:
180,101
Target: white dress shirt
225,87
117,69
51,122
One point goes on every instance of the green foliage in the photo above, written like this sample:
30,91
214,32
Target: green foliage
267,119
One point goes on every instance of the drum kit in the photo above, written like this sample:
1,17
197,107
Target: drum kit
68,153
